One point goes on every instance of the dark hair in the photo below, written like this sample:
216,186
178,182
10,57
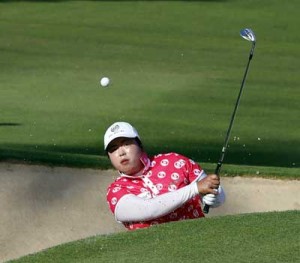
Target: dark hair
138,142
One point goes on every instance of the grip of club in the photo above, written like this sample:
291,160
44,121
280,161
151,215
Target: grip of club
206,209
206,206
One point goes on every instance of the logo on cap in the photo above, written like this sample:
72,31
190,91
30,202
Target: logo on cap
115,128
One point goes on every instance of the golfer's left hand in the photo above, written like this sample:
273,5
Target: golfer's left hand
209,184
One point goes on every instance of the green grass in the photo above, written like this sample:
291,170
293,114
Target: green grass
176,68
262,237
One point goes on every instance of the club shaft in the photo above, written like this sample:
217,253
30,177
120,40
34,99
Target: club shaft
224,148
220,162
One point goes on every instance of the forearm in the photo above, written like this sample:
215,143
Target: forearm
133,208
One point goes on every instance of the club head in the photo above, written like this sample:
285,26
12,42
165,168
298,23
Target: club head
248,34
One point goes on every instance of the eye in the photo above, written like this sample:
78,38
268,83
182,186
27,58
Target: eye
112,148
128,142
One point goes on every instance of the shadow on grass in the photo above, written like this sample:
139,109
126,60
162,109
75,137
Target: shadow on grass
273,154
3,124
94,156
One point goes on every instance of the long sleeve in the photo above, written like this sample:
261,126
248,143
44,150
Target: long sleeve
134,208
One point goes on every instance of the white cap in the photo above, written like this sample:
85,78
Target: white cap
119,129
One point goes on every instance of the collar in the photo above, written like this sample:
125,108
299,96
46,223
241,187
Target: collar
145,161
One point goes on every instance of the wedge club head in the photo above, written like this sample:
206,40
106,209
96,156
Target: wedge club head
248,34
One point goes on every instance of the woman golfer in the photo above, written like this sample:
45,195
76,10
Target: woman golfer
154,190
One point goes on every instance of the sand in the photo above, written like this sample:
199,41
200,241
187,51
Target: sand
46,206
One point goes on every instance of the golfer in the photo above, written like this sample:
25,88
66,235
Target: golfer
153,190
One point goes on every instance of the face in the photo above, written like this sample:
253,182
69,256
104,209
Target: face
125,154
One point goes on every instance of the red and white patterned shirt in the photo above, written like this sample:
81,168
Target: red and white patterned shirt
163,173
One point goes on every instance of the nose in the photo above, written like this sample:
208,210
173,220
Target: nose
121,151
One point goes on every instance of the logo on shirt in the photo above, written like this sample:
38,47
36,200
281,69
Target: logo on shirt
153,163
114,201
196,213
190,208
175,176
197,172
191,161
116,189
179,164
161,174
172,187
159,186
149,174
143,190
164,162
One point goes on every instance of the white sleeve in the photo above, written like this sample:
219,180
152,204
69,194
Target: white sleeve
133,208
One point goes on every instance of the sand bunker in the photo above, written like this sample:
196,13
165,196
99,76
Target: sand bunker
42,206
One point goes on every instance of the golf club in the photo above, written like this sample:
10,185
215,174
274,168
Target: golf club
249,35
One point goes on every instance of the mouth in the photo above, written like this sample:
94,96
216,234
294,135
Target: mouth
124,161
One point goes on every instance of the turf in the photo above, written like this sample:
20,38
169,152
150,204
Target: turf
176,68
265,237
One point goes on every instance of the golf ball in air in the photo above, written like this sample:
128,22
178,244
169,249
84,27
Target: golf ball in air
104,82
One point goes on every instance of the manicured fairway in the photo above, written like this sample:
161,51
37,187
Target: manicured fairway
176,68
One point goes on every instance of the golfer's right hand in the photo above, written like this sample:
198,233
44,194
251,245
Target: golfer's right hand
209,184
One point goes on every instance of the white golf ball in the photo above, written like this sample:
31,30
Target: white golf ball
104,82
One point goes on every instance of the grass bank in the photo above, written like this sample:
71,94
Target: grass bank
264,237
